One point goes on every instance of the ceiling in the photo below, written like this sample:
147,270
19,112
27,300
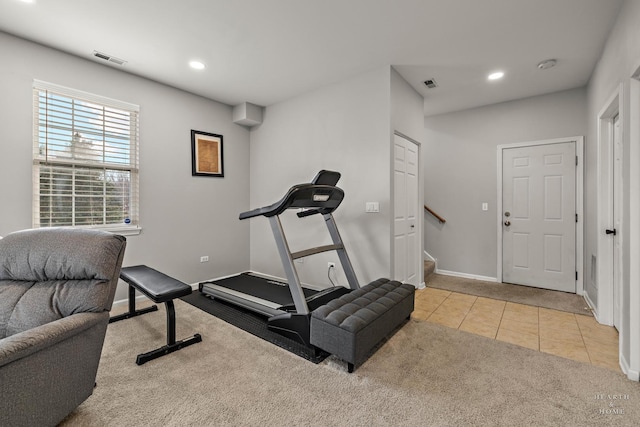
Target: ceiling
267,51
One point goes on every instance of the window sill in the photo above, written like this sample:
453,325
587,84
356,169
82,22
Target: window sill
124,230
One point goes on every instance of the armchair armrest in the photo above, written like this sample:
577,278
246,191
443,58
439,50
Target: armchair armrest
46,372
25,343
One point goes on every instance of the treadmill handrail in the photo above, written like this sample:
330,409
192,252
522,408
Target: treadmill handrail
322,198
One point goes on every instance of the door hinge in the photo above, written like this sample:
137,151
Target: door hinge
576,275
576,160
576,217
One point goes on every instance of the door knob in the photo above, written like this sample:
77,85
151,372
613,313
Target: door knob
507,223
507,214
611,231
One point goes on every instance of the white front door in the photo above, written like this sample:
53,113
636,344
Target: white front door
539,216
407,257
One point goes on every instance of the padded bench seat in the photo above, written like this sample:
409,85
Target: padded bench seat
159,288
352,325
155,285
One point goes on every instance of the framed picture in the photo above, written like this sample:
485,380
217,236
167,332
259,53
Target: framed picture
206,154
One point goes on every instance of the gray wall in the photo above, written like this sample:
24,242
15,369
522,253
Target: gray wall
461,171
182,217
621,56
343,127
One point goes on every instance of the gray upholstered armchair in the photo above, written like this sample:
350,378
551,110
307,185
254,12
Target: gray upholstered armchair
56,289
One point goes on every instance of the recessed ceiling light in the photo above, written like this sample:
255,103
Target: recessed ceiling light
495,76
196,65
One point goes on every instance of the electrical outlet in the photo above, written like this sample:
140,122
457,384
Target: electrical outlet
331,265
204,258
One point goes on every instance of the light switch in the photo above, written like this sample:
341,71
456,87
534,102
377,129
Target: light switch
485,206
372,207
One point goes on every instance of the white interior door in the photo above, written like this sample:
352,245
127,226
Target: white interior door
539,216
407,256
617,219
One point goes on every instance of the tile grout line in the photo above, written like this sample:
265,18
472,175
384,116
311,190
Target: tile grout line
500,324
586,349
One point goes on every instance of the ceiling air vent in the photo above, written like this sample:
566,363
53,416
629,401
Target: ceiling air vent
431,83
109,58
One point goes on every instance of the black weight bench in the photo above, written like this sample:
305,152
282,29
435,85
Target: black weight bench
159,288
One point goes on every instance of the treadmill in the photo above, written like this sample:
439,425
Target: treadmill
288,306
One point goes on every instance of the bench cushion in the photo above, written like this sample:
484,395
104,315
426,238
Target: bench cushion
352,325
153,284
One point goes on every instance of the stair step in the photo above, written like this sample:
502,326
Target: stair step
429,269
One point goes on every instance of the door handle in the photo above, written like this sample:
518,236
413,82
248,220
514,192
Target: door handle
507,223
611,231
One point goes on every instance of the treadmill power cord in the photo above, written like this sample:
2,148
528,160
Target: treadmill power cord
329,276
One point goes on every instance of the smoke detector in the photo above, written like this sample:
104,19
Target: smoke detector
109,58
430,83
546,64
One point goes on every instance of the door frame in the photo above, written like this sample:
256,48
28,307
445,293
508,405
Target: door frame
579,243
419,217
603,308
632,365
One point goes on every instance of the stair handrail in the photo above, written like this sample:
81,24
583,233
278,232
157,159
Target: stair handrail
438,217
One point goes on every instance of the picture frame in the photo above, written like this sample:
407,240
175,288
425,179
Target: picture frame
206,154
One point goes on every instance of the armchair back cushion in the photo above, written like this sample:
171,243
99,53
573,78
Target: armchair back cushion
51,273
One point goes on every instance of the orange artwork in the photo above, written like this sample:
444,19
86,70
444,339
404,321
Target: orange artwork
208,156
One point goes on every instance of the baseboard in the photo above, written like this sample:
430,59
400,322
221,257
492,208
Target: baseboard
591,305
466,275
125,301
631,374
594,310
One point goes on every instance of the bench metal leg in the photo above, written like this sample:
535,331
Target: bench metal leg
172,345
132,308
169,348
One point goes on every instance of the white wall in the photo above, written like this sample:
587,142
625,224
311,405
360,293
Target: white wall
182,217
620,58
407,108
343,127
461,171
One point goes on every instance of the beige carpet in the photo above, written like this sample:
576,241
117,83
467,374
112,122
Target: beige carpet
537,297
425,375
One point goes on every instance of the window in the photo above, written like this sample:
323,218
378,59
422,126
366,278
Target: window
85,168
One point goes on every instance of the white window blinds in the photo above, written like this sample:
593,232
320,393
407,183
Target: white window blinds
85,159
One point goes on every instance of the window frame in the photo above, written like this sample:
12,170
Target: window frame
132,167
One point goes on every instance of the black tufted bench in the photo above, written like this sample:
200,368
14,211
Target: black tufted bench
160,288
352,325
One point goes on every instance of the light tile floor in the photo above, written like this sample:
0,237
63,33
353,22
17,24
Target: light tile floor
572,336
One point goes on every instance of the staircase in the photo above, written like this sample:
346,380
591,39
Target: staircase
429,269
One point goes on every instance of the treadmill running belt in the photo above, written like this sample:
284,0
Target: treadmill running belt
271,290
